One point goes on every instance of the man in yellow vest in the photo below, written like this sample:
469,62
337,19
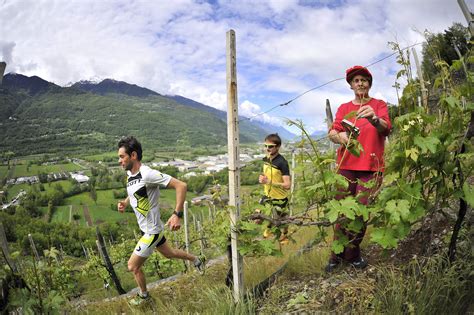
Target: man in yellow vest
275,179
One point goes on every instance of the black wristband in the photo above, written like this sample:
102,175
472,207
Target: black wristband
178,214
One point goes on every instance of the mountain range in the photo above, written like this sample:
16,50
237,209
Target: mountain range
38,116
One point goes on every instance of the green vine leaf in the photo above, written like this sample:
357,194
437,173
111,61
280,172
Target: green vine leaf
354,147
452,102
301,298
385,237
427,143
327,161
336,247
416,213
351,115
346,207
333,212
391,178
402,230
356,225
468,194
412,153
336,179
362,210
398,209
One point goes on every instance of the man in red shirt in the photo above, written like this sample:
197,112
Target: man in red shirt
370,117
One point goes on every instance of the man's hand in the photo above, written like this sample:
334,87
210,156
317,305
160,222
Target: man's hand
174,222
121,205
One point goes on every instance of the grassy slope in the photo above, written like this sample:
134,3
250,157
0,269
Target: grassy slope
192,293
392,283
411,279
22,169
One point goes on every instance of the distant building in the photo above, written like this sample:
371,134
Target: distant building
190,174
80,178
23,180
245,157
258,156
187,167
216,168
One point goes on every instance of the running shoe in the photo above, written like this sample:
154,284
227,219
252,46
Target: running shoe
359,263
200,264
139,299
331,266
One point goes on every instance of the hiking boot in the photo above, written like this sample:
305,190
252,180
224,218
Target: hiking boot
200,264
359,263
331,266
140,300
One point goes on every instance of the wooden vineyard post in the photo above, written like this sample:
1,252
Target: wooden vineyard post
468,15
61,254
86,254
424,91
458,52
186,230
108,264
329,121
234,170
90,252
6,252
194,222
201,236
3,65
33,247
292,187
211,214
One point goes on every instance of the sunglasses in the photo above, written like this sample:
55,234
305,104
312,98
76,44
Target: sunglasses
269,146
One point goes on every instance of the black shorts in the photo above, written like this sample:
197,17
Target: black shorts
282,203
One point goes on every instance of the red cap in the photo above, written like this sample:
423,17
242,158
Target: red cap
358,70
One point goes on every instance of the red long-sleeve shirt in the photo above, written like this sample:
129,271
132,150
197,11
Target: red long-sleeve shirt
371,159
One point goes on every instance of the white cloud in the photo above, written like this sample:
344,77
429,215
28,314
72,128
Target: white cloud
6,49
255,112
284,47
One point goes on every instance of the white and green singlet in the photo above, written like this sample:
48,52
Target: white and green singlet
143,188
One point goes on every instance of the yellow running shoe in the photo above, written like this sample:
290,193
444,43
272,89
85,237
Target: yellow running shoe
139,300
284,240
267,233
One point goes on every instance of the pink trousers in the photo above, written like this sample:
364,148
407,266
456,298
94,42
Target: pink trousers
352,251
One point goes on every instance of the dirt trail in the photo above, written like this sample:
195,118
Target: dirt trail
87,215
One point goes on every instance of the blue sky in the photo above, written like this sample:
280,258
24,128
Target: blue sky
284,47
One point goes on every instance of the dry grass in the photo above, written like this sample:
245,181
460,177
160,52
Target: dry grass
192,293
